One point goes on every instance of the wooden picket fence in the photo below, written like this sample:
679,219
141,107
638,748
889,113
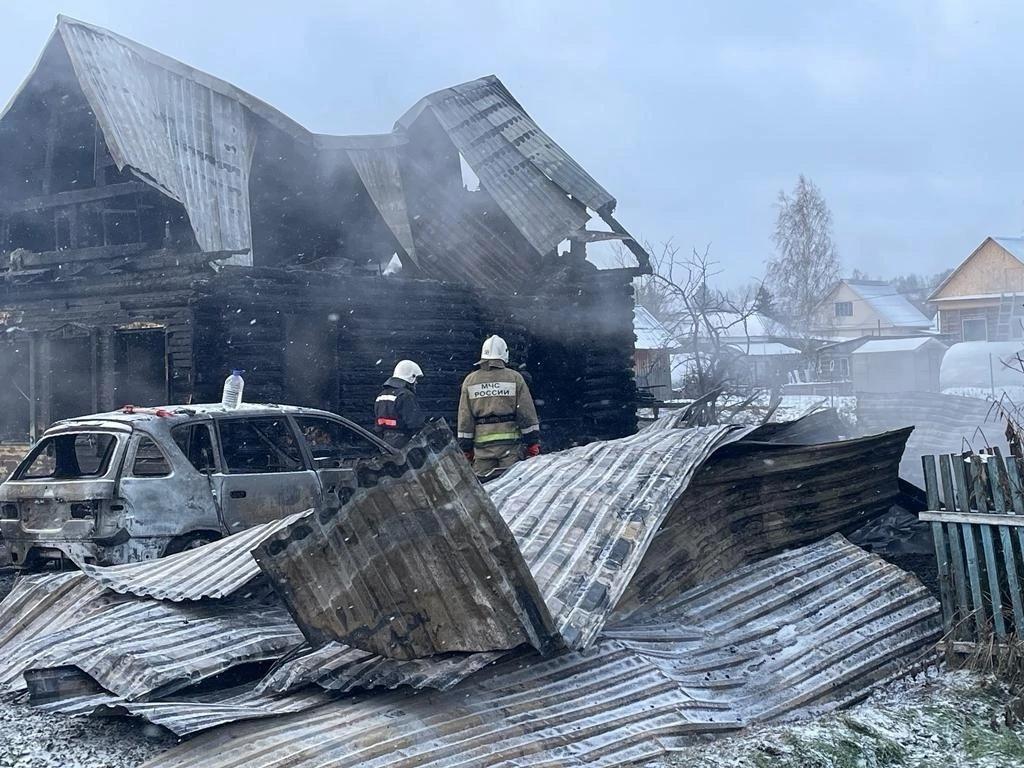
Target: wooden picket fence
976,510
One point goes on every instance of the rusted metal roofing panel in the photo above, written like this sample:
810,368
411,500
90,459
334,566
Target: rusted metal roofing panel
809,629
585,517
139,648
416,562
192,142
216,570
342,669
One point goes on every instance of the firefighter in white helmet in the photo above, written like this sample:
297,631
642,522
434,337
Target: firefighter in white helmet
397,415
496,412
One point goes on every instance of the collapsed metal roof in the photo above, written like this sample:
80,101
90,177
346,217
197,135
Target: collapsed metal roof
807,630
699,629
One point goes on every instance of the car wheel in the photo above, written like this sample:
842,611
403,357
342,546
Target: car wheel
190,541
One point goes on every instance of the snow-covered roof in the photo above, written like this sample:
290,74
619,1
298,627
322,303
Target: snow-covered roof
650,334
889,304
735,325
981,365
893,345
764,348
1014,245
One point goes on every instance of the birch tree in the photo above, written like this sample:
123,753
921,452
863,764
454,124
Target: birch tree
806,263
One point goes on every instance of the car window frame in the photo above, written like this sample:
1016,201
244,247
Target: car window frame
225,468
211,430
132,455
112,467
382,447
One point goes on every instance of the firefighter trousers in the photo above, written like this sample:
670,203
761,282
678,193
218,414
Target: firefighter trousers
483,465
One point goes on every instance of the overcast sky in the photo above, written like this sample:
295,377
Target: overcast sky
907,115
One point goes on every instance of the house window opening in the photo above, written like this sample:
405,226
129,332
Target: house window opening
844,309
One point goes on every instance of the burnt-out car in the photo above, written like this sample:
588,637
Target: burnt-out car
141,483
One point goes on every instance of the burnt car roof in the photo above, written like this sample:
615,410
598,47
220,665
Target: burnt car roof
172,415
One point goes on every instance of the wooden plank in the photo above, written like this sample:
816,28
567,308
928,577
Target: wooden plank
999,481
977,477
963,491
931,484
67,256
956,551
973,518
75,197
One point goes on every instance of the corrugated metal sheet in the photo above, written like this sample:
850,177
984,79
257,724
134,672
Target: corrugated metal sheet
380,173
942,424
534,182
35,608
342,669
495,137
138,648
190,141
585,517
216,570
811,628
189,715
751,500
416,562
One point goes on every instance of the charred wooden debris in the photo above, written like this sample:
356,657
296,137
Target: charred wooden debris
596,606
159,226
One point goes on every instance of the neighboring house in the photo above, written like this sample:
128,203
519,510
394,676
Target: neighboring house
652,360
770,354
897,365
855,308
983,298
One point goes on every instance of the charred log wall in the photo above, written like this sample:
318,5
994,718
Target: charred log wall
330,341
72,322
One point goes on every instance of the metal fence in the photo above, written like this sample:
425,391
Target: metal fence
976,510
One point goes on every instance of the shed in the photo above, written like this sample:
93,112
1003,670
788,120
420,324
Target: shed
652,359
897,365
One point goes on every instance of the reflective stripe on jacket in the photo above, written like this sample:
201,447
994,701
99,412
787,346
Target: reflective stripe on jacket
496,408
395,409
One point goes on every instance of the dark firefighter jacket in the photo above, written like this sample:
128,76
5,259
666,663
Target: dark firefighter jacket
496,410
397,416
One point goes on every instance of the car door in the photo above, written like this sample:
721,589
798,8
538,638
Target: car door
335,448
164,495
264,475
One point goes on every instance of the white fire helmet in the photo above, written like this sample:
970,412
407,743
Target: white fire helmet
407,370
495,348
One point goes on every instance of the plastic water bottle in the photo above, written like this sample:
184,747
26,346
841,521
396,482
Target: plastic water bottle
233,386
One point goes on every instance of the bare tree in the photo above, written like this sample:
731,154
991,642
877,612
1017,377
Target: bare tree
704,321
807,263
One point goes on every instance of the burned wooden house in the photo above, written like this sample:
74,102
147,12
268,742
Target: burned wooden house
159,226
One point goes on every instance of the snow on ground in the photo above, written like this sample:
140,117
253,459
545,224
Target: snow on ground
954,720
31,739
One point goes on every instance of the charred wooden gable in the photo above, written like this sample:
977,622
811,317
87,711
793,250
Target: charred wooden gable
159,227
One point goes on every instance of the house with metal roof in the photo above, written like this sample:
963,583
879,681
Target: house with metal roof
652,360
897,365
159,226
855,308
983,298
